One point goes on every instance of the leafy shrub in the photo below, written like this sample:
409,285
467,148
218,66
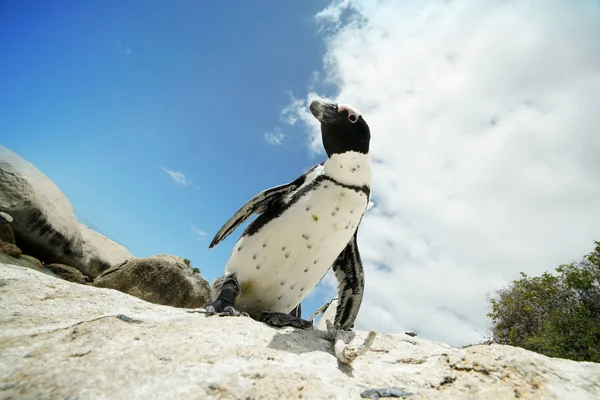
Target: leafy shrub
555,315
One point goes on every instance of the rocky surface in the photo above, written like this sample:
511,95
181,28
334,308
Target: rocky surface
32,260
162,279
67,273
10,249
6,232
44,223
100,253
26,262
43,220
63,340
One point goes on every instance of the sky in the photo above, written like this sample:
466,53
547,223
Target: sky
158,120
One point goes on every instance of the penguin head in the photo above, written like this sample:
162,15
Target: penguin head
342,128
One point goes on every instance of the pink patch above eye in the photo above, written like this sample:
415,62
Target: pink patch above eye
352,113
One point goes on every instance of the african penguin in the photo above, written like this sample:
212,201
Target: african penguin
303,229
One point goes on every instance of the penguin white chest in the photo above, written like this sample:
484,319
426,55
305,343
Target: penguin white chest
279,265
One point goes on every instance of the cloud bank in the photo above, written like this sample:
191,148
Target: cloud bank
485,124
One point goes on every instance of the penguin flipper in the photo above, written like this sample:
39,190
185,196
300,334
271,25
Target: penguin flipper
258,205
348,270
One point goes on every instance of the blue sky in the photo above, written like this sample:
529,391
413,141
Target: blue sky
105,97
484,121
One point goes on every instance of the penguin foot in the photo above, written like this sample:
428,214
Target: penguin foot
345,352
282,319
215,308
229,288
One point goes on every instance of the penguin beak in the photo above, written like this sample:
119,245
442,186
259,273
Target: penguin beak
326,113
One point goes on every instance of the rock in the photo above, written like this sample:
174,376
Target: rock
44,222
51,331
100,252
6,232
6,217
162,279
67,273
386,392
10,249
32,260
24,262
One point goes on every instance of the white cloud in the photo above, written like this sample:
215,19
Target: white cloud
333,12
199,234
297,111
485,141
178,177
275,137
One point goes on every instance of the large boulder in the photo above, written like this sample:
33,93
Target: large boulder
44,223
100,253
60,340
162,279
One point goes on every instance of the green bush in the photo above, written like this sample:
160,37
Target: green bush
555,315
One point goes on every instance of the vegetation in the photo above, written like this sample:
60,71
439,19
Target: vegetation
196,270
556,315
187,262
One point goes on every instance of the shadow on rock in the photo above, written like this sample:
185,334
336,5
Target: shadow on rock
300,341
304,341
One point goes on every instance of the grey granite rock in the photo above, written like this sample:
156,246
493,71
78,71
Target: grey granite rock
63,340
43,220
6,232
162,279
44,223
10,249
67,273
100,253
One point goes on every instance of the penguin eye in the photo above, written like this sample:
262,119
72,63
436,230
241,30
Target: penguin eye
352,113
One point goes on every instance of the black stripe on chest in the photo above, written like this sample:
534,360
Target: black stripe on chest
279,207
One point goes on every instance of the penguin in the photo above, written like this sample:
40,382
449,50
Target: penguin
303,229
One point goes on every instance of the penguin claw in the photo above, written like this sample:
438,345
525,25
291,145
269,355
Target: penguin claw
227,311
210,310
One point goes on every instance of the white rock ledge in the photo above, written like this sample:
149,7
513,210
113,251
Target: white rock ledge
62,340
